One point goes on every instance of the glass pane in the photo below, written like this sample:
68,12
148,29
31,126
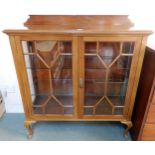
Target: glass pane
94,80
128,47
94,88
92,100
38,81
93,62
90,47
53,107
27,47
118,111
116,88
117,100
118,80
65,47
49,73
38,102
103,108
119,71
88,111
47,50
106,77
68,110
108,51
34,62
38,110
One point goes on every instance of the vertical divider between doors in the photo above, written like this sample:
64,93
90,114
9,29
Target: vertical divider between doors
81,62
75,76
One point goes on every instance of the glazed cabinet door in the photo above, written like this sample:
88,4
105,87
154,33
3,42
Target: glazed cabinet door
108,67
48,63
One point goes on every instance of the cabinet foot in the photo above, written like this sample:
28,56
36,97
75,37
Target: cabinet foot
28,126
129,125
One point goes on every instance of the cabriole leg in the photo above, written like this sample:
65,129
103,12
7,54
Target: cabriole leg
129,125
28,126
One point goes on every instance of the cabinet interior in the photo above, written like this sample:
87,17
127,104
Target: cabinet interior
50,75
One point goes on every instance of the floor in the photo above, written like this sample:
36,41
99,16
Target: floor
11,128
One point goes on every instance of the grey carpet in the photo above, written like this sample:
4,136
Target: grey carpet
11,128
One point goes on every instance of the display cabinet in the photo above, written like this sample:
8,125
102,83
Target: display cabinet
78,68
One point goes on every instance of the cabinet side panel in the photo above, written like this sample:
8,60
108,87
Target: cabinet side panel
137,75
75,76
19,74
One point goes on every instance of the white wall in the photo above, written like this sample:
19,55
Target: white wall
14,12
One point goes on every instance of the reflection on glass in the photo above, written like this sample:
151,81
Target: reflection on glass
109,51
90,47
128,47
49,70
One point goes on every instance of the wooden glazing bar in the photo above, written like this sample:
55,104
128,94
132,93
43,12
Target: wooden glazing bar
46,101
55,60
58,51
109,101
114,61
94,108
101,60
59,102
99,101
106,81
50,81
97,47
34,47
111,104
42,60
121,48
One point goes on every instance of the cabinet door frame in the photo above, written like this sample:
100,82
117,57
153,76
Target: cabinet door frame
133,76
23,77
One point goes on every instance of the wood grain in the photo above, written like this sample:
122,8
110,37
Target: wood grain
78,70
148,132
151,114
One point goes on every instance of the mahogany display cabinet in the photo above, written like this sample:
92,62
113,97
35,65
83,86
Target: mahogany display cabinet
78,68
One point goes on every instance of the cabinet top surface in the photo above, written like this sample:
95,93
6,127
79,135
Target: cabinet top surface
79,24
